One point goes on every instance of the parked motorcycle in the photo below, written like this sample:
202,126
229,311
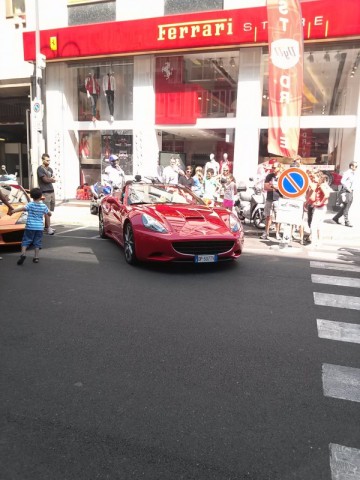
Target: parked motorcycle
98,191
250,204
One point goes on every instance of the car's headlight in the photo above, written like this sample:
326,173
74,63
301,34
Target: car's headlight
22,218
234,222
152,224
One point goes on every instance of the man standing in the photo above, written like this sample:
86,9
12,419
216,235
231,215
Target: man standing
272,196
115,174
46,180
187,179
172,171
348,183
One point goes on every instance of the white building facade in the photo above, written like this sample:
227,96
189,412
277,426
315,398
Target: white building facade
194,98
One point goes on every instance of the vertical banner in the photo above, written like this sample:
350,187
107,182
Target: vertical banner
286,53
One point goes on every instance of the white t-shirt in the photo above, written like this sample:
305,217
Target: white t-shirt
115,176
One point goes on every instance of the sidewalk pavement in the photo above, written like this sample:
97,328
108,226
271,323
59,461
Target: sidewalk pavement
77,212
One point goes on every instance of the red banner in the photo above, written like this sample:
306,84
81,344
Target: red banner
286,52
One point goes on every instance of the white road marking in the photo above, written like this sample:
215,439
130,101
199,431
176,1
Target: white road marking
339,281
344,462
338,301
340,331
339,257
341,382
335,266
73,229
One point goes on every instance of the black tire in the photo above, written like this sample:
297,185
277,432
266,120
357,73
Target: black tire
329,177
94,210
129,245
101,226
259,219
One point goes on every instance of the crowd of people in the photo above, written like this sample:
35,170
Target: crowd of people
214,182
314,200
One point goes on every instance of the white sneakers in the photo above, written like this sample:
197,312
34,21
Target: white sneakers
49,231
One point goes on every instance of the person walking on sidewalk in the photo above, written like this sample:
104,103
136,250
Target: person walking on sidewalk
33,232
348,181
46,180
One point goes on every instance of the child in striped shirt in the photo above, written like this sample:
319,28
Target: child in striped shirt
33,232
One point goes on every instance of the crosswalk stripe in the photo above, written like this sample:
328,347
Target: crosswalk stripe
341,382
332,256
338,301
339,281
335,266
340,331
344,462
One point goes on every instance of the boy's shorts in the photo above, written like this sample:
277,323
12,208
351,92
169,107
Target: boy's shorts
33,237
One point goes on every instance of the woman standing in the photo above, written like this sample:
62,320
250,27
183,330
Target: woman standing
318,201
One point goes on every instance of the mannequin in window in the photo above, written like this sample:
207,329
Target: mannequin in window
109,86
84,147
225,162
93,92
212,163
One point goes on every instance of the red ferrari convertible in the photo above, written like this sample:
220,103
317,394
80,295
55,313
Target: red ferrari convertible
165,223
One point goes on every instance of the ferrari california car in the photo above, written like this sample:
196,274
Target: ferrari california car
165,223
12,227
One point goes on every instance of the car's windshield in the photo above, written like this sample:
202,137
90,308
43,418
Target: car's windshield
160,193
13,193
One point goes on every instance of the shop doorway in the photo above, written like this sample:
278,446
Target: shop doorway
195,145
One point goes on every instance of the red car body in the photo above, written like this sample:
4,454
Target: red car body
165,223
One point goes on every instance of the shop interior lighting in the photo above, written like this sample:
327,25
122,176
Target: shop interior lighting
232,62
327,57
311,58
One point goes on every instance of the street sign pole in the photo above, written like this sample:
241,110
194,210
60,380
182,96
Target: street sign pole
292,184
37,111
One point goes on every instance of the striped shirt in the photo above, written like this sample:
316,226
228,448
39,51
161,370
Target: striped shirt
36,212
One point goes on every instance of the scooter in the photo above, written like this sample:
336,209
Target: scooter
250,204
98,191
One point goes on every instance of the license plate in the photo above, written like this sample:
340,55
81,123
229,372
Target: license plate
206,258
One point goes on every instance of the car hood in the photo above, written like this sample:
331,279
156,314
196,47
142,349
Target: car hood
186,219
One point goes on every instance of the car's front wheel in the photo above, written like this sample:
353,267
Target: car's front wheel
129,245
101,226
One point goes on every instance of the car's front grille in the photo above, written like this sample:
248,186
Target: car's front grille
203,247
12,237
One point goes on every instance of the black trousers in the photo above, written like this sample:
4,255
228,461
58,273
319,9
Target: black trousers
110,100
344,209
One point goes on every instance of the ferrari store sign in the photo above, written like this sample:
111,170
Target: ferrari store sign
322,19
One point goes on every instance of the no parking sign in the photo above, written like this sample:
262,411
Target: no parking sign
293,183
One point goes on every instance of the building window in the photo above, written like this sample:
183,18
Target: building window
15,9
82,12
105,90
186,6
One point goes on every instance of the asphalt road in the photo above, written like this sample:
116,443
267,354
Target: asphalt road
175,372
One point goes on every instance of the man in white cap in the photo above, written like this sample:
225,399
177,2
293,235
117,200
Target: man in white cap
114,173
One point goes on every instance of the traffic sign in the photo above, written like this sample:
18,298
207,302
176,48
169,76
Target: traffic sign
293,183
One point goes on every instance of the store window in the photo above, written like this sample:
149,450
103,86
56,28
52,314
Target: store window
15,9
82,12
185,6
105,92
95,148
331,79
196,86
